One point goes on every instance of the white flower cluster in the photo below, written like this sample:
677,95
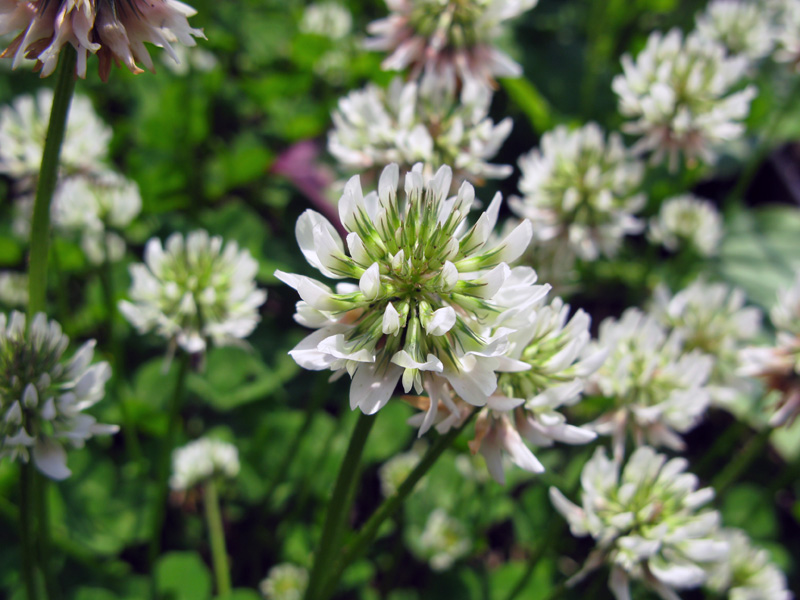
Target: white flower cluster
444,540
193,290
13,288
581,191
396,470
657,386
43,395
687,222
449,40
419,122
285,582
779,366
743,27
327,19
747,573
647,522
201,460
712,318
788,35
679,96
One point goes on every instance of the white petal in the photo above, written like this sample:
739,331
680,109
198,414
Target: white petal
51,459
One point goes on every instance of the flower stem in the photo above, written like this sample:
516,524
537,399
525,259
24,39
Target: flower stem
741,463
216,534
162,467
339,506
27,525
553,531
43,533
46,184
389,506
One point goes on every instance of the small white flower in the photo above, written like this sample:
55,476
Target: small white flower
581,190
194,290
23,128
284,582
658,388
201,460
645,523
396,470
43,395
419,122
14,288
747,573
327,19
451,41
744,27
687,222
443,541
679,95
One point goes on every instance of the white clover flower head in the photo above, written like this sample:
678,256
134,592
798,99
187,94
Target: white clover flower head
195,290
747,573
788,33
581,189
743,27
284,581
658,388
419,122
449,40
327,19
114,30
14,288
444,540
396,470
687,221
680,99
712,318
43,395
201,460
432,297
647,522
23,128
526,406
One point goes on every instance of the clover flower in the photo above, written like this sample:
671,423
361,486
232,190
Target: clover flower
285,582
23,128
687,222
646,523
779,366
194,290
658,388
201,460
419,122
526,406
43,395
449,40
14,288
396,470
743,27
444,540
581,190
713,319
114,30
680,99
747,573
327,19
431,297
788,33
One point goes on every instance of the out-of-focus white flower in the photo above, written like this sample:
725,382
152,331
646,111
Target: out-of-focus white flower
425,122
201,460
658,388
43,395
680,99
647,523
196,58
115,31
14,288
23,128
328,19
747,573
526,406
432,300
396,470
687,221
194,290
712,318
779,365
443,541
788,33
581,190
448,40
284,582
744,27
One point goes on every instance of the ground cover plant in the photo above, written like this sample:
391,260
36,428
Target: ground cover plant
480,299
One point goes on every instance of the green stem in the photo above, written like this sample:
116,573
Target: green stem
162,472
43,534
389,506
46,184
27,525
339,506
741,463
552,533
216,534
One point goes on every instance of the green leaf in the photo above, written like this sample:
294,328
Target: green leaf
182,576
